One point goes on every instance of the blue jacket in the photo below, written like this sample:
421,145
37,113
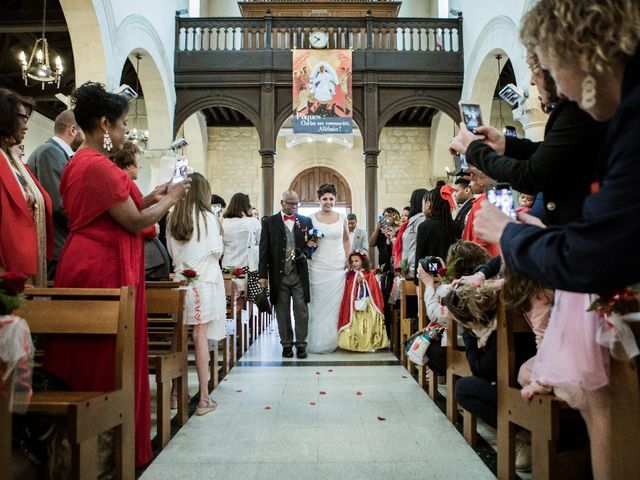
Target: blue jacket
599,253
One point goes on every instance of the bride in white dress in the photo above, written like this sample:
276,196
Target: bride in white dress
327,273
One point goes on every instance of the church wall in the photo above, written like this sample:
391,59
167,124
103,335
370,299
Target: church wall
405,163
234,162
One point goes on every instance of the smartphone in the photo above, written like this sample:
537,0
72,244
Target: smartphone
470,114
216,208
502,197
510,131
180,170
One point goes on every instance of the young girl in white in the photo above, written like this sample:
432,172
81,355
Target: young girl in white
194,241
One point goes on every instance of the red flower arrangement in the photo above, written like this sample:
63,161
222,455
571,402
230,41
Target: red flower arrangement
238,272
11,287
190,274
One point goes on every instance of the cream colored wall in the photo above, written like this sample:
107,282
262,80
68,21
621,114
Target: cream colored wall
40,130
405,163
234,162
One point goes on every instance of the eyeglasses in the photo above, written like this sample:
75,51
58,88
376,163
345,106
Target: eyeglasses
23,116
292,204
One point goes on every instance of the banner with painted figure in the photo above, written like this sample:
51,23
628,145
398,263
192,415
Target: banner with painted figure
322,97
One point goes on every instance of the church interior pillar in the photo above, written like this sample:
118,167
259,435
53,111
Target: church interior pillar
268,161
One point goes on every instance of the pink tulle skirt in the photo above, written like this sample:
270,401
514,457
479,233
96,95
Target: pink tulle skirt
569,356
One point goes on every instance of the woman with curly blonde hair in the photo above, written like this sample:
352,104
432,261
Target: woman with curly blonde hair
591,48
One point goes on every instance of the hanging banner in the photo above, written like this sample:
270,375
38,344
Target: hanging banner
322,99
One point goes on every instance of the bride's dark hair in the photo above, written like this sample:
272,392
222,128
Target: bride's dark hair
327,188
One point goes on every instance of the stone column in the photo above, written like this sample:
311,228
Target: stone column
371,192
531,117
268,160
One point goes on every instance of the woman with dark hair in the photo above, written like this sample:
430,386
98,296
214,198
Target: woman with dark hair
438,232
194,239
25,207
242,241
410,233
104,248
327,272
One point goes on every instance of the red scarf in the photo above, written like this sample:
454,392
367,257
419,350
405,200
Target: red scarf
397,246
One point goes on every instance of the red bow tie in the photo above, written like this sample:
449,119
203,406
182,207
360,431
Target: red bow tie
289,217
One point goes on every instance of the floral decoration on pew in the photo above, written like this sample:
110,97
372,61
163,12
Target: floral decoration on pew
12,285
235,272
614,310
189,273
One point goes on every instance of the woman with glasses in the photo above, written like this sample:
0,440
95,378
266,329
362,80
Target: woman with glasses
25,207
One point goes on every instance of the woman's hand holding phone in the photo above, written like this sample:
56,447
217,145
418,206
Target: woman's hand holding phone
179,190
492,137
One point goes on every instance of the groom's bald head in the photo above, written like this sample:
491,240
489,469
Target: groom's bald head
289,202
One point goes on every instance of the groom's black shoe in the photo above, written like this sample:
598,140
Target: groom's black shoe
287,352
301,352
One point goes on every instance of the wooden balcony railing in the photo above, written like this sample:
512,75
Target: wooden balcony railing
285,33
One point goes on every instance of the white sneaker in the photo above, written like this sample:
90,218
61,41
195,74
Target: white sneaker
523,451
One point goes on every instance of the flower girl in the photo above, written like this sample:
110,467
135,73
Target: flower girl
361,321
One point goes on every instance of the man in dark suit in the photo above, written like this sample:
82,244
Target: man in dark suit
283,261
47,163
464,199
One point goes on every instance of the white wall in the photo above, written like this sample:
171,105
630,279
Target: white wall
40,130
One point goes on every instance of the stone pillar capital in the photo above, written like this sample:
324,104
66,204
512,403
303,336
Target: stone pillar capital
532,118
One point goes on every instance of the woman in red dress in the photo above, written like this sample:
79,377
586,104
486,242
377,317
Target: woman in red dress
104,249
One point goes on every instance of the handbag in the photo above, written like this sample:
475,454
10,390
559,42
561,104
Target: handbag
362,300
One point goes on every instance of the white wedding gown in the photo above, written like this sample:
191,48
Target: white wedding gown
326,281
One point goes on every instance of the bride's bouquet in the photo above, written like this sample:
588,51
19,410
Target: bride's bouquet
313,235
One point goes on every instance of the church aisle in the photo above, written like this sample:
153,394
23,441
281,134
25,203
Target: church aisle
334,416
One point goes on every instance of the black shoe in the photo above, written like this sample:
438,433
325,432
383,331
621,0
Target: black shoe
301,352
287,352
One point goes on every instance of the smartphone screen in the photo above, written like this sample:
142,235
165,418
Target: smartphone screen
510,131
181,170
471,116
502,197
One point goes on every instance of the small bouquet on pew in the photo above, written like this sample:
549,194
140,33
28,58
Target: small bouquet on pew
190,275
613,332
313,235
11,287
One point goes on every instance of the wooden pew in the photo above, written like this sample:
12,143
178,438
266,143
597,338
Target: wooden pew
407,289
458,366
541,416
426,376
625,415
165,311
54,311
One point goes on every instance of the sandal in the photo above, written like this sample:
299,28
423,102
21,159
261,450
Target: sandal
209,407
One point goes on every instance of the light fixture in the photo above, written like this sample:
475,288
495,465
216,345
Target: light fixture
137,136
38,67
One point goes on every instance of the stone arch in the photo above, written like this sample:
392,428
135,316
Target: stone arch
499,36
136,35
416,101
84,24
307,182
183,112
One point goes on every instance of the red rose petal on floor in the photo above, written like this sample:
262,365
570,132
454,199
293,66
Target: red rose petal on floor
404,376
238,391
382,419
317,373
312,403
267,407
322,392
330,370
358,393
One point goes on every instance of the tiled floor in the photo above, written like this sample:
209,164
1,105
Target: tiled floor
335,416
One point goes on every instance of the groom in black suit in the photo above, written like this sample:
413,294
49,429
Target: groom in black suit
283,261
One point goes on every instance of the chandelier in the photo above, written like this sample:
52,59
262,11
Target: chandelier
38,67
139,137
